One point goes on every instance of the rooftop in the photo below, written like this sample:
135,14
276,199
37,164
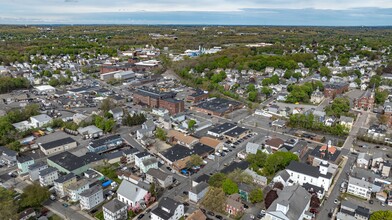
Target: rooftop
218,105
166,208
236,132
114,205
47,171
306,169
65,178
178,152
71,162
56,143
91,191
157,174
222,128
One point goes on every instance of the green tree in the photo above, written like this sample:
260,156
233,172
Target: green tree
380,96
15,145
339,106
266,82
266,90
239,176
8,206
191,124
214,200
256,195
257,160
195,160
325,71
251,88
278,161
229,186
252,96
160,134
381,215
34,195
216,180
375,81
107,104
275,79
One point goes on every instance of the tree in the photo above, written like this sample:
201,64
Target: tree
195,160
384,119
215,199
278,161
251,88
8,206
15,145
107,104
314,202
381,215
375,81
136,119
278,185
256,195
380,96
257,160
153,190
34,195
216,180
191,124
252,96
229,186
239,176
339,106
325,71
266,90
275,79
270,198
160,134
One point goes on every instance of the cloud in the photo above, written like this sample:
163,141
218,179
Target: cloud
263,12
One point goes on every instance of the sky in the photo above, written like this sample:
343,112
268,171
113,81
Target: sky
202,12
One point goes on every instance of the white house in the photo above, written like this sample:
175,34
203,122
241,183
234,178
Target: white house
359,187
293,203
40,120
48,176
74,190
168,209
91,197
131,194
115,210
363,160
198,192
161,178
34,170
301,173
144,161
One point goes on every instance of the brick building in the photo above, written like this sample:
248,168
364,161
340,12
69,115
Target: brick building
106,68
365,102
157,99
197,96
332,90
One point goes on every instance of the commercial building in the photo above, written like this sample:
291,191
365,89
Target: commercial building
156,99
67,162
58,146
106,143
217,106
333,90
197,96
219,130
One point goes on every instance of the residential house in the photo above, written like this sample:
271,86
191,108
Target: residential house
91,198
244,191
115,210
257,179
130,154
75,189
359,187
23,163
61,184
377,131
252,148
197,215
35,168
363,160
146,131
48,176
351,211
131,194
27,214
198,192
144,161
117,113
168,209
293,203
346,122
159,177
282,177
8,156
274,143
202,178
234,205
58,146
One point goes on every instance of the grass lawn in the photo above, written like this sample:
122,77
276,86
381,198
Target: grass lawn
55,217
109,171
99,215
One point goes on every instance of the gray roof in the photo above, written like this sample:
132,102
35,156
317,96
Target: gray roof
65,178
157,174
131,191
358,182
114,205
296,197
47,171
306,169
284,174
42,117
57,143
22,159
166,204
91,191
37,165
199,187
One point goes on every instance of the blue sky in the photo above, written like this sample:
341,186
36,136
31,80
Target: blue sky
225,12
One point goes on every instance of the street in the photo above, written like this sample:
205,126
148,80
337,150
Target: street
69,212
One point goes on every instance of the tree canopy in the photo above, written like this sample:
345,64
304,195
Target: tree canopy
256,195
278,161
216,180
339,107
34,195
8,206
381,215
229,186
215,199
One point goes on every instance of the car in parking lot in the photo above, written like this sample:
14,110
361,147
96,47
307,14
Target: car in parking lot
65,205
211,213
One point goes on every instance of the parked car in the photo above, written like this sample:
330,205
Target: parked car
140,216
211,213
218,216
65,205
371,201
